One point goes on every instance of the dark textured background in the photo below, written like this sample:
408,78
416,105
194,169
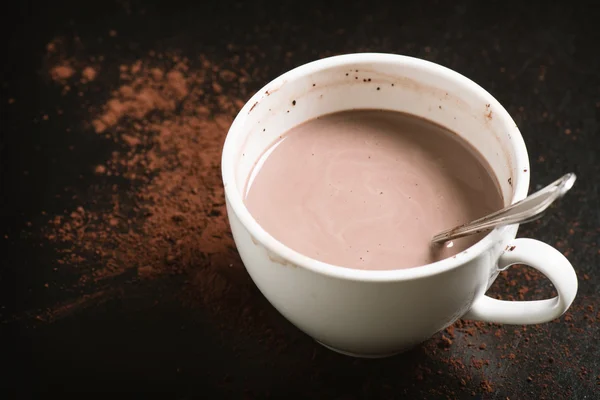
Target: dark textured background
535,59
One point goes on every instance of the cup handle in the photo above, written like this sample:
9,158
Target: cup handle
549,262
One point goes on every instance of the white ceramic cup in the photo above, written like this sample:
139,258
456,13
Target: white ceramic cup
379,313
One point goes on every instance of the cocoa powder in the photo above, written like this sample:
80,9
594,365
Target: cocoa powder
62,72
171,219
88,74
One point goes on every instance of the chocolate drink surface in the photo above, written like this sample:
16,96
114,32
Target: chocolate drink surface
367,189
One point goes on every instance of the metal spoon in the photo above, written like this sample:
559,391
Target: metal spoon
526,210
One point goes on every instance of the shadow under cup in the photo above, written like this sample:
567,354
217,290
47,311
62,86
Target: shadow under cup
371,313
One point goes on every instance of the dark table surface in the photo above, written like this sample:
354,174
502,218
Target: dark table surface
135,336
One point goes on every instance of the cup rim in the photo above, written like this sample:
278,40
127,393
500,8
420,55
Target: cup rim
236,204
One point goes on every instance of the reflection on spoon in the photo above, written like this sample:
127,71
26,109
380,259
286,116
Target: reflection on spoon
530,208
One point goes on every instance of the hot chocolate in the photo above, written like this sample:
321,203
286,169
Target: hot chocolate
367,189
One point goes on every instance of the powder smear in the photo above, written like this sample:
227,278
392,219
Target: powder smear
62,72
170,220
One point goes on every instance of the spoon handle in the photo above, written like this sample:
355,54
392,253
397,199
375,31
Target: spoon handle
526,210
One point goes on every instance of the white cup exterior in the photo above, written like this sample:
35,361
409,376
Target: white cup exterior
378,313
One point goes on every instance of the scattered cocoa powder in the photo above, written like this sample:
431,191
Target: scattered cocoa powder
63,310
62,72
486,386
100,169
174,221
446,341
145,90
89,74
